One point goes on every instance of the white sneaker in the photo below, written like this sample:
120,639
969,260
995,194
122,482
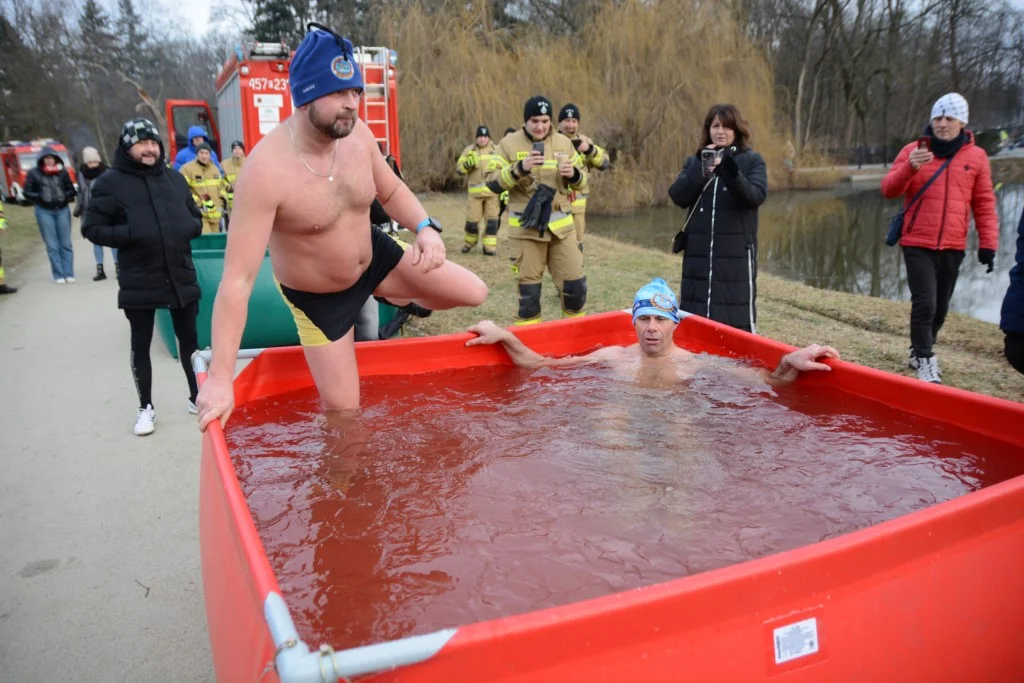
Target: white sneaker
928,370
59,280
192,408
912,359
144,422
69,280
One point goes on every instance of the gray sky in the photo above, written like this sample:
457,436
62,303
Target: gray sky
197,12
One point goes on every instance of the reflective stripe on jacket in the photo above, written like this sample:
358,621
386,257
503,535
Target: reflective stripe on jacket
502,172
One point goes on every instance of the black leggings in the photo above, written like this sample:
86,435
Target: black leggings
931,275
141,321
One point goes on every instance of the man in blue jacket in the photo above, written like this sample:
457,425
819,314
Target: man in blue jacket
1012,318
196,136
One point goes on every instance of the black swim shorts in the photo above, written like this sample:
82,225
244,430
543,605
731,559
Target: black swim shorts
324,318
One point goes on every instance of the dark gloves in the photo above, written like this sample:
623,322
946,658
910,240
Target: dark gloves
727,168
987,257
538,211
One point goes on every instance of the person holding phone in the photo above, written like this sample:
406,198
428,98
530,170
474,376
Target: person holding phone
721,188
595,157
935,226
540,168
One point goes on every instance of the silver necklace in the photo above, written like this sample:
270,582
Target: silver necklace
330,173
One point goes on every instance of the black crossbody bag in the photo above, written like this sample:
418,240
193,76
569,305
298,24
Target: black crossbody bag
895,231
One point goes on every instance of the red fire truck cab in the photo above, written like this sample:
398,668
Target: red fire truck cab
18,157
253,97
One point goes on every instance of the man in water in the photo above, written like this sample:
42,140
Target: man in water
306,190
655,356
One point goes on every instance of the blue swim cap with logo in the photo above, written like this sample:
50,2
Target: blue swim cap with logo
656,298
324,63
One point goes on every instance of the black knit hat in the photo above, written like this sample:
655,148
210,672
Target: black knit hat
136,130
569,111
238,143
202,145
538,105
483,131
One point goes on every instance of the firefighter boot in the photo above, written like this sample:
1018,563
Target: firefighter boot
574,297
529,304
5,289
472,236
490,243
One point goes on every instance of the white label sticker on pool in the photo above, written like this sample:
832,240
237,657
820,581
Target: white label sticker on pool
796,640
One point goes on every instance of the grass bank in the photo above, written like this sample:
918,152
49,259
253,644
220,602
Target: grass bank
868,331
20,240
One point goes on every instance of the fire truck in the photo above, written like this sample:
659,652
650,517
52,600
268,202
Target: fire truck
253,97
18,157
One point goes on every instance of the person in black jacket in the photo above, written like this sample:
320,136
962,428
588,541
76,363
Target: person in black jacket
367,326
49,187
1011,320
145,210
722,186
91,168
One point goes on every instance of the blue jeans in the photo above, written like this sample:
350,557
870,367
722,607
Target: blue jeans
97,251
55,227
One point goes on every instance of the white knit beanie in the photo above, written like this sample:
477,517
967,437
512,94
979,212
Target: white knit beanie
90,154
951,104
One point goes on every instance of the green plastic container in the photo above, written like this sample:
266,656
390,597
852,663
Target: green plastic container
213,242
268,323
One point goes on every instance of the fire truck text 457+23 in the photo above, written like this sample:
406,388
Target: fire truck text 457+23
278,84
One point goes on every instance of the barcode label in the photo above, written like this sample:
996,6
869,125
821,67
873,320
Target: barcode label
796,640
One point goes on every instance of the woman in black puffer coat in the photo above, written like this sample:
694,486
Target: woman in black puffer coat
720,236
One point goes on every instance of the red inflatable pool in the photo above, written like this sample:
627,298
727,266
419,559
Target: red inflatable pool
936,595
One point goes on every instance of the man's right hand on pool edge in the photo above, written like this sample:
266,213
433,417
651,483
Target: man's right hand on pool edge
216,399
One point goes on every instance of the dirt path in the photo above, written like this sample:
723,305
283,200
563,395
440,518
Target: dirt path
99,548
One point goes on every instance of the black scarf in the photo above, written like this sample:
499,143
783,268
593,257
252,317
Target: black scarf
92,173
944,149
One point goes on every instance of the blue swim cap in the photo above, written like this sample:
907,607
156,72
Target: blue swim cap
656,298
324,63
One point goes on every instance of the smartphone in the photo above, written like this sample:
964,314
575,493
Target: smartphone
707,161
538,147
924,143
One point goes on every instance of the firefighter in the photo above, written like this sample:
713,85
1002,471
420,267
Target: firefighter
231,167
4,288
483,203
540,168
594,156
503,197
205,180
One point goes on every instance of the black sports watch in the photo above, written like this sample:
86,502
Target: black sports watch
428,222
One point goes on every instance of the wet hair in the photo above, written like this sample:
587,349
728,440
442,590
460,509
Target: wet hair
731,118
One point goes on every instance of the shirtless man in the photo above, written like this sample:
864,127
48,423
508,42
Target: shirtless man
655,356
306,190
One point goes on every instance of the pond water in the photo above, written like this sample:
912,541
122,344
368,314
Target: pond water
835,240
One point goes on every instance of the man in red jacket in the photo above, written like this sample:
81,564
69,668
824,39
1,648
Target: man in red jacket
935,226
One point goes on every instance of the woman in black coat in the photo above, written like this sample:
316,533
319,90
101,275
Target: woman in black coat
722,187
145,210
